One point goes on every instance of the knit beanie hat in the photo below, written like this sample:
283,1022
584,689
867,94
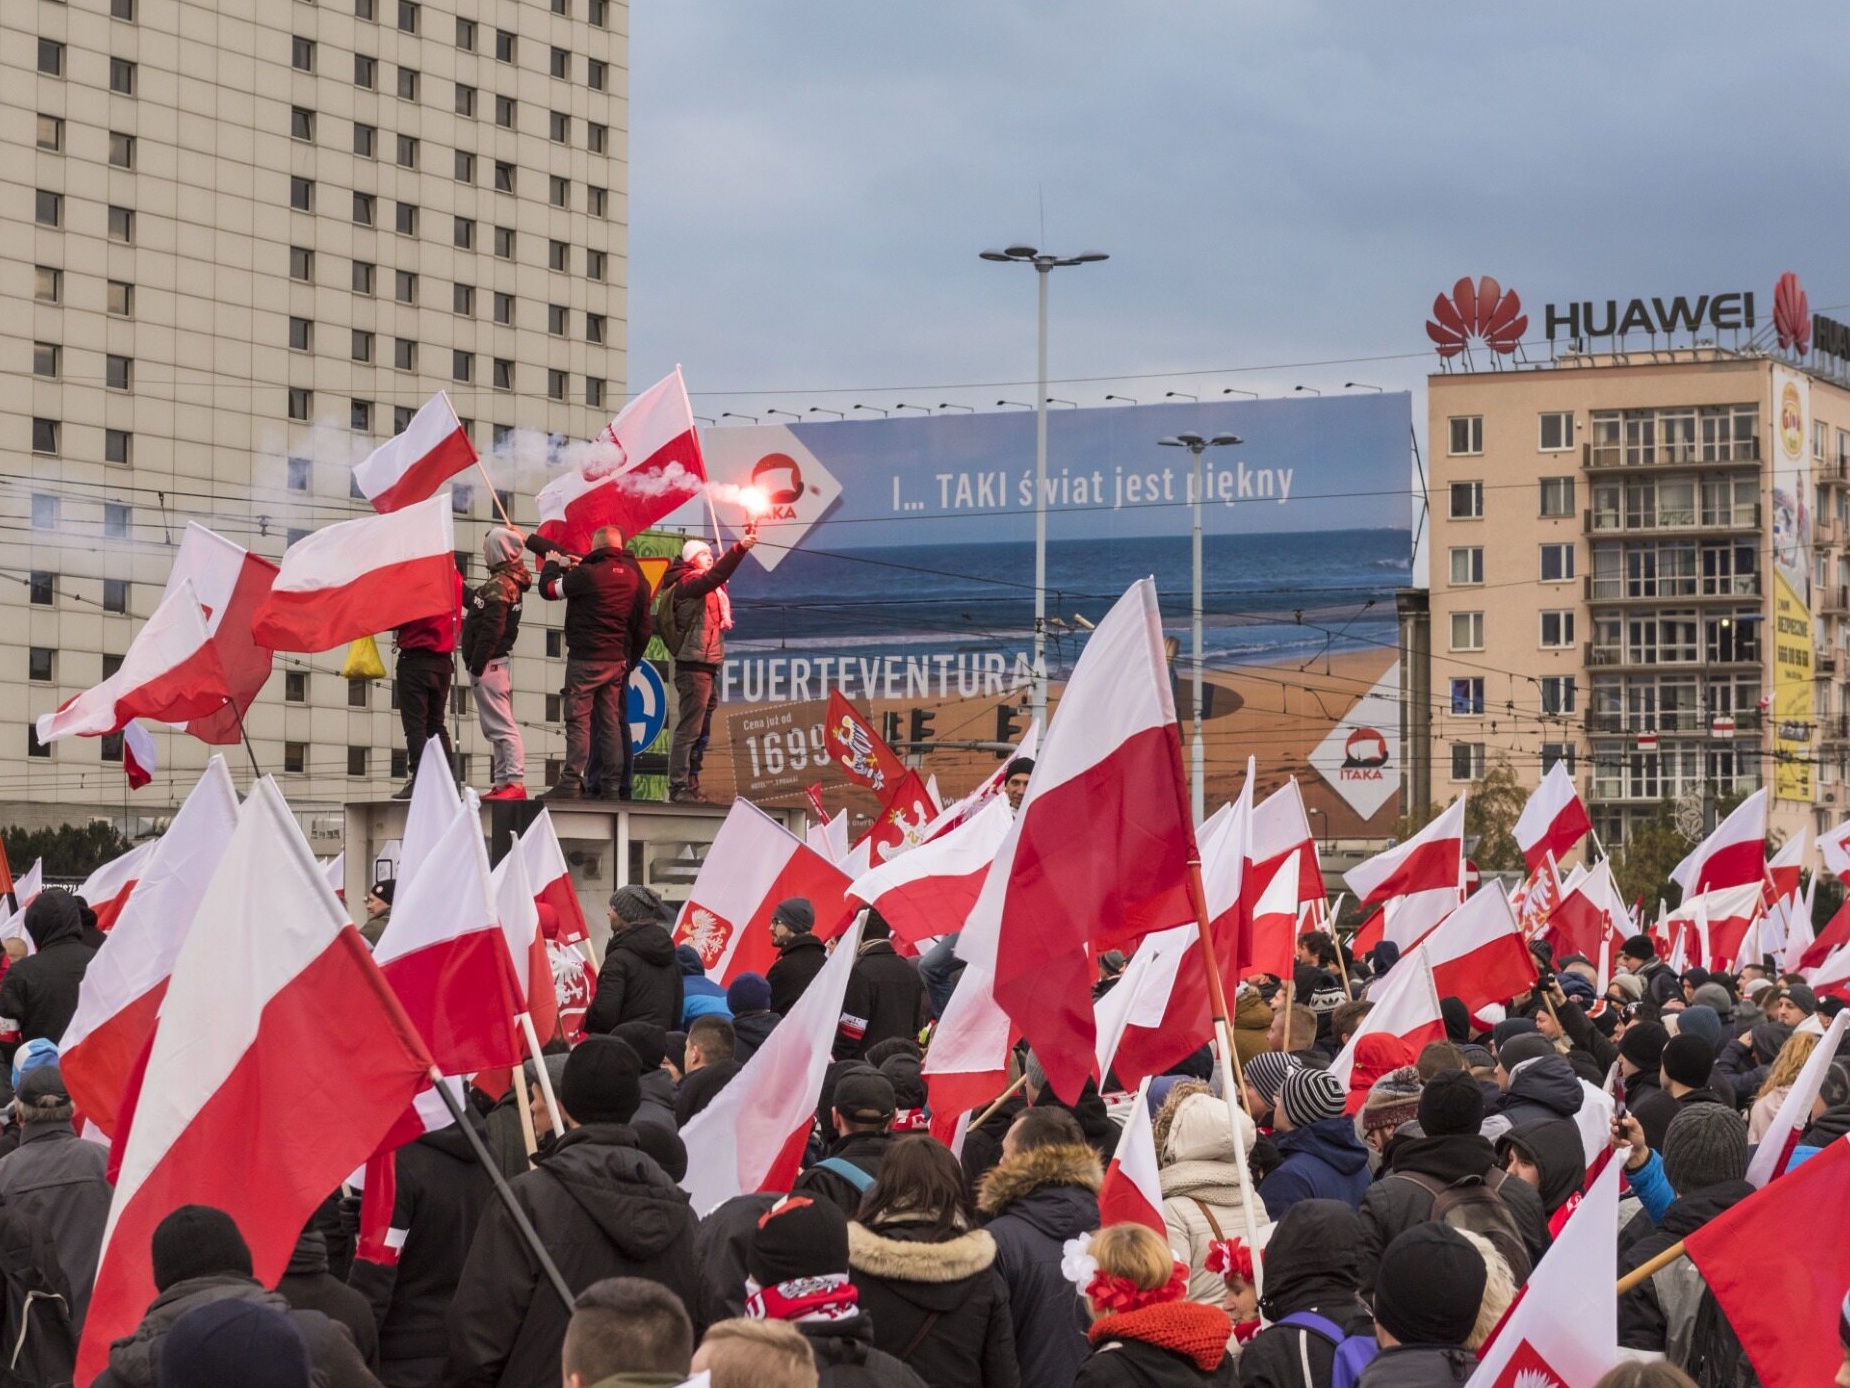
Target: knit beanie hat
197,1241
796,1238
1643,1044
1798,994
1457,1020
1429,1286
1392,1100
649,1042
748,993
1629,984
1704,1021
1705,1145
1688,1059
637,905
1451,1104
1713,995
1267,1071
1639,947
603,1081
1310,1096
795,913
1510,1027
383,890
241,1342
1527,1046
1327,996
693,549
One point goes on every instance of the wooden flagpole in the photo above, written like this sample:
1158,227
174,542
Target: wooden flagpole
1021,1082
526,1111
1655,1265
539,1065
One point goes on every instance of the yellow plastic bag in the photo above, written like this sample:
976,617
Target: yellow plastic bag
363,661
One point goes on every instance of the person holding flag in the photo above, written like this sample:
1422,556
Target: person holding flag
422,675
692,615
491,624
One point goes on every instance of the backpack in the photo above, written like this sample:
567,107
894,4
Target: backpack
666,619
1353,1352
1475,1205
861,1180
38,1347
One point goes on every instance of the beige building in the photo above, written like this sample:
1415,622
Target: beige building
1639,566
240,243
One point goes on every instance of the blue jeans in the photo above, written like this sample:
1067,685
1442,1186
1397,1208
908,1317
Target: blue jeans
940,968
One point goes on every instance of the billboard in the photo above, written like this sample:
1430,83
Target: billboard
896,566
1792,620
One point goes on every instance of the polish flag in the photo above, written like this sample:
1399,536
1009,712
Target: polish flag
122,989
519,914
1719,919
230,583
446,957
751,1137
1734,855
1274,928
1562,1331
1834,936
830,837
434,803
1590,913
551,877
1281,827
1477,954
1098,856
1794,1114
861,753
645,463
900,825
106,891
1832,977
171,672
931,890
1539,895
361,576
1407,1006
1784,868
967,1063
1834,848
335,870
273,983
1782,1308
752,864
1800,936
139,759
1157,1013
1425,874
1553,820
1132,1192
413,467
958,811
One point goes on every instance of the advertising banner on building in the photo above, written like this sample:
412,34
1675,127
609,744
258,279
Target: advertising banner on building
895,566
1792,619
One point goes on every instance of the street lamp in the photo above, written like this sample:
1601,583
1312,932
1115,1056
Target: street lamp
1235,390
769,412
817,409
1125,398
1056,400
1197,445
704,420
873,409
1308,390
730,415
1360,385
1020,404
1044,263
967,409
922,409
1179,395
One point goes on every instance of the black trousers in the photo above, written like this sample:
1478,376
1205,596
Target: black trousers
423,679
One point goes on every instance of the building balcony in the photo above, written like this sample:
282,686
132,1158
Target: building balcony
1678,723
1745,520
1618,660
1823,664
1833,728
1602,457
1834,600
1827,531
1662,593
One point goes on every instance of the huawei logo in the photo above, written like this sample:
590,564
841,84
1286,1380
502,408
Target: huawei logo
1483,311
1792,315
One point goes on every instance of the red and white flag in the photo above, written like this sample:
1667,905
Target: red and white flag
1098,855
751,1137
1425,875
861,753
361,576
1132,1192
1831,979
1538,896
900,825
1834,848
106,891
1591,913
1477,954
139,759
958,811
433,807
122,988
519,914
1732,856
272,983
1834,936
1785,868
1563,1329
551,877
752,864
646,462
1718,921
1407,1006
1281,828
335,870
1553,820
171,673
230,583
414,465
931,890
1795,1110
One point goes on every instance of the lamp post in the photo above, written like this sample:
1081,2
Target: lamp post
731,415
1197,445
818,409
1044,263
1235,390
1361,385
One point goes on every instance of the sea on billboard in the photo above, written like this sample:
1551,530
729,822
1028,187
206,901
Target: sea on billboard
895,565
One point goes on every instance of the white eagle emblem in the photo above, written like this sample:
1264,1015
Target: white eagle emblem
707,931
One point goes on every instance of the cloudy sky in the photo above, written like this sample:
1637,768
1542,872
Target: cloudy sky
1282,188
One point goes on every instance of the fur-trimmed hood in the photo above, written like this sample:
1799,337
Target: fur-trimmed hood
906,1260
1067,1164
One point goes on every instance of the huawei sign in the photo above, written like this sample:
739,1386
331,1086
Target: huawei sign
1484,312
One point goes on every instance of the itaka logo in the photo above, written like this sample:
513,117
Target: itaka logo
1792,315
1483,312
1365,748
780,477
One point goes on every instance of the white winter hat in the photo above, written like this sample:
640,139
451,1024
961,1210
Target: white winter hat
694,547
1199,1131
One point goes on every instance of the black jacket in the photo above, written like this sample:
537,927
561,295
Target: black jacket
797,964
601,1209
1542,1089
657,1108
1661,984
1035,1202
1310,1265
40,991
640,982
697,1089
491,616
864,1150
1664,1312
750,1030
606,605
885,999
1579,1029
983,1145
720,1249
846,1356
1393,1206
1651,1106
1555,1147
702,643
1419,1366
307,1285
442,1191
905,1282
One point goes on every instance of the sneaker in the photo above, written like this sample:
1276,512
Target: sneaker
687,795
512,791
404,791
564,791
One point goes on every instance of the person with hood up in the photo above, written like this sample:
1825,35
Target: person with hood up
1830,1112
692,615
1638,957
1322,1154
650,1043
700,995
1043,1192
491,623
57,1180
40,991
1202,1181
1537,1084
601,1207
641,978
1641,1058
1310,1303
237,1342
1452,1155
797,1270
1252,1021
861,1108
929,1279
1145,1333
308,1285
1376,1054
748,998
1745,1061
1428,1300
885,997
800,955
1550,1157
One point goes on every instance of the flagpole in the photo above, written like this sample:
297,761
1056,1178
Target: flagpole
525,1099
539,1065
496,495
1020,1083
1655,1265
251,751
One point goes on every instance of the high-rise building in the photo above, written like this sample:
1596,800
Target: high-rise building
240,243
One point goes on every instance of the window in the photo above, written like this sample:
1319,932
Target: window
1553,752
363,9
121,150
562,7
1557,694
559,127
597,201
1467,501
407,152
362,345
1467,631
356,756
301,263
597,74
556,316
1557,563
465,34
118,372
47,284
462,366
555,385
503,434
559,191
406,219
302,54
118,446
51,134
301,335
302,194
122,76
51,57
115,595
47,358
365,140
1467,566
298,474
504,46
465,166
558,255
301,123
504,112
401,759
109,748
48,209
360,416
1468,697
1467,761
365,72
594,265
504,177
122,225
405,286
462,500
42,588
1557,496
465,100
295,757
1557,630
555,643
111,664
595,328
122,9
504,242
597,137
363,275
401,419
594,391
504,309
559,63
1557,431
599,13
301,402
119,298
39,664
45,512
1466,434
359,693
504,374
408,84
408,16
116,518
462,233
462,299
45,435
404,354
35,748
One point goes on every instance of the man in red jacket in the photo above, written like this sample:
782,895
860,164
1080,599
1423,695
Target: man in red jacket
426,666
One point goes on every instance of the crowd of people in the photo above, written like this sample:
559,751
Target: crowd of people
1398,1212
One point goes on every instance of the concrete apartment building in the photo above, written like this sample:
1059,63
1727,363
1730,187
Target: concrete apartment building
1639,566
240,243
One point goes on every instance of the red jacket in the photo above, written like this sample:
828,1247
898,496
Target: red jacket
437,634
